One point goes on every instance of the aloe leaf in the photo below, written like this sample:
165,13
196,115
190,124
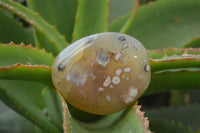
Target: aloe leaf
177,98
143,2
117,25
53,106
91,18
173,58
60,13
37,22
9,118
166,23
25,98
123,24
159,54
118,8
131,120
10,30
44,43
190,113
192,61
165,126
173,80
12,54
194,43
194,96
36,73
20,1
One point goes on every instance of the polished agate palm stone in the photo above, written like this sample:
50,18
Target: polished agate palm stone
102,73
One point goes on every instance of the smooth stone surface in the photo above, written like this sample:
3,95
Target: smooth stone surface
102,73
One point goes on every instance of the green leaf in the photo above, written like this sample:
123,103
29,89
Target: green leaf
194,96
25,98
166,23
165,126
173,80
91,18
36,73
159,54
58,42
117,25
144,1
8,119
175,62
12,54
60,13
20,1
123,24
10,30
43,42
119,8
130,120
173,58
177,98
53,106
187,115
194,43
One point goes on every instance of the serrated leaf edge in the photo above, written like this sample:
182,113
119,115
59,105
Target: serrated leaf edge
27,114
22,65
30,46
141,117
44,27
18,65
184,50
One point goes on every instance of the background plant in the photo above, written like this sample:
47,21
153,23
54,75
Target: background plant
169,29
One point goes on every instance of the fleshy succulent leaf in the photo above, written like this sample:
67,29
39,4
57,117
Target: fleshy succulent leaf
123,24
118,8
12,54
131,120
117,25
174,58
194,43
10,118
190,113
60,13
36,73
91,18
173,80
10,30
166,126
25,98
53,106
175,62
166,23
159,54
37,22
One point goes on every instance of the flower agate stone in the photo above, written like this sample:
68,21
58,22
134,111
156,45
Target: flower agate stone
102,73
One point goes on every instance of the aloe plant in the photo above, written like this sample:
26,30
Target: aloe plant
33,32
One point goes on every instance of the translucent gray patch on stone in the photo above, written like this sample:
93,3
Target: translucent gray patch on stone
103,57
